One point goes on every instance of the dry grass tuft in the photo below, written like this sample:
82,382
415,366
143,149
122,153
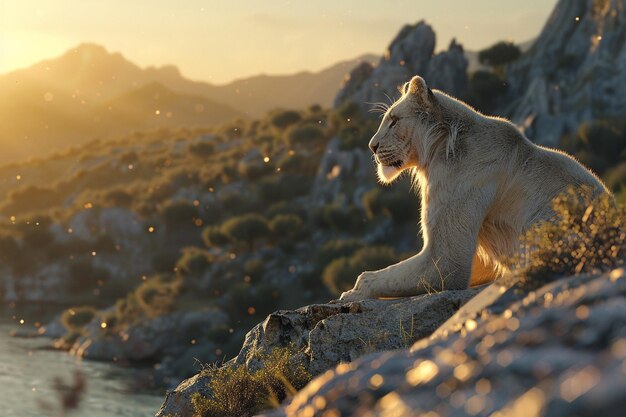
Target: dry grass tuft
240,392
587,236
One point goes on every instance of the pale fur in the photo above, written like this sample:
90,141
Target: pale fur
482,184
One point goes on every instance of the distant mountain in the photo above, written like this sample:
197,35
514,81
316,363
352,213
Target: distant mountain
258,94
89,92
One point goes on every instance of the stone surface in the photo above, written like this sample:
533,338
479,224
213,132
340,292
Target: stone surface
329,334
574,72
410,53
556,351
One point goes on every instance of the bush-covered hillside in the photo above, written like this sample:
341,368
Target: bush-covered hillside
225,218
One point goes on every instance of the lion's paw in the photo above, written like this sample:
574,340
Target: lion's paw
351,296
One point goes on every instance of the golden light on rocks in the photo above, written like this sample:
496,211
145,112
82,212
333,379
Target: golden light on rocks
331,413
504,358
512,324
582,312
463,371
342,368
319,402
376,381
618,348
475,405
422,373
483,386
470,325
578,383
616,274
528,404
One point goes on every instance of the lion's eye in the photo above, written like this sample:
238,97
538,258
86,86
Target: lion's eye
394,120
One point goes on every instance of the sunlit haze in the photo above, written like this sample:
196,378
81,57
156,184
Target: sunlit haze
219,41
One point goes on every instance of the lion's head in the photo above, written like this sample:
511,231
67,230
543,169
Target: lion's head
407,127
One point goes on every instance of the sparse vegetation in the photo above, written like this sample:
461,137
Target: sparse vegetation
588,236
237,391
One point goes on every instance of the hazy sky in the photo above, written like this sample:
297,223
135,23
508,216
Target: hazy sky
217,40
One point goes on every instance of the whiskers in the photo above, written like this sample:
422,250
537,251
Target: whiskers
379,108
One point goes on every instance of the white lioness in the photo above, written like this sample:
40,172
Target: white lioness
482,184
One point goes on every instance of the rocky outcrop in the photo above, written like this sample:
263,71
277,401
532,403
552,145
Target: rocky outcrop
338,167
160,337
556,351
574,72
330,334
410,53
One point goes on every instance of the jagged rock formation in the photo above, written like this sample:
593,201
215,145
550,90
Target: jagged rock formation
410,53
557,351
329,334
574,72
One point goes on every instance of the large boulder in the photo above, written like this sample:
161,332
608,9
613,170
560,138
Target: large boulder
557,351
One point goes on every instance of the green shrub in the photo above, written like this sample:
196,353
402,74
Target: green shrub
616,181
397,203
286,118
499,54
212,236
179,213
286,226
193,262
118,198
341,274
201,149
306,135
599,145
484,90
247,228
239,392
335,216
335,249
284,187
156,298
75,318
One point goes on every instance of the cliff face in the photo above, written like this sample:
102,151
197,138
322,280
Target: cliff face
574,72
410,53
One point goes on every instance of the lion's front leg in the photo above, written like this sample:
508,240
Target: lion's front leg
393,281
445,263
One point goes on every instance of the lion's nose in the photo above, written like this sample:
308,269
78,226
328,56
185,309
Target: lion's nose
374,146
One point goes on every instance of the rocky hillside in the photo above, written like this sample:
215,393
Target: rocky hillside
558,350
574,72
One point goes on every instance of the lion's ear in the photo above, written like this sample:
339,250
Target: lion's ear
418,87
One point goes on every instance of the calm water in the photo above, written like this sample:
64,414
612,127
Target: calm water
26,375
